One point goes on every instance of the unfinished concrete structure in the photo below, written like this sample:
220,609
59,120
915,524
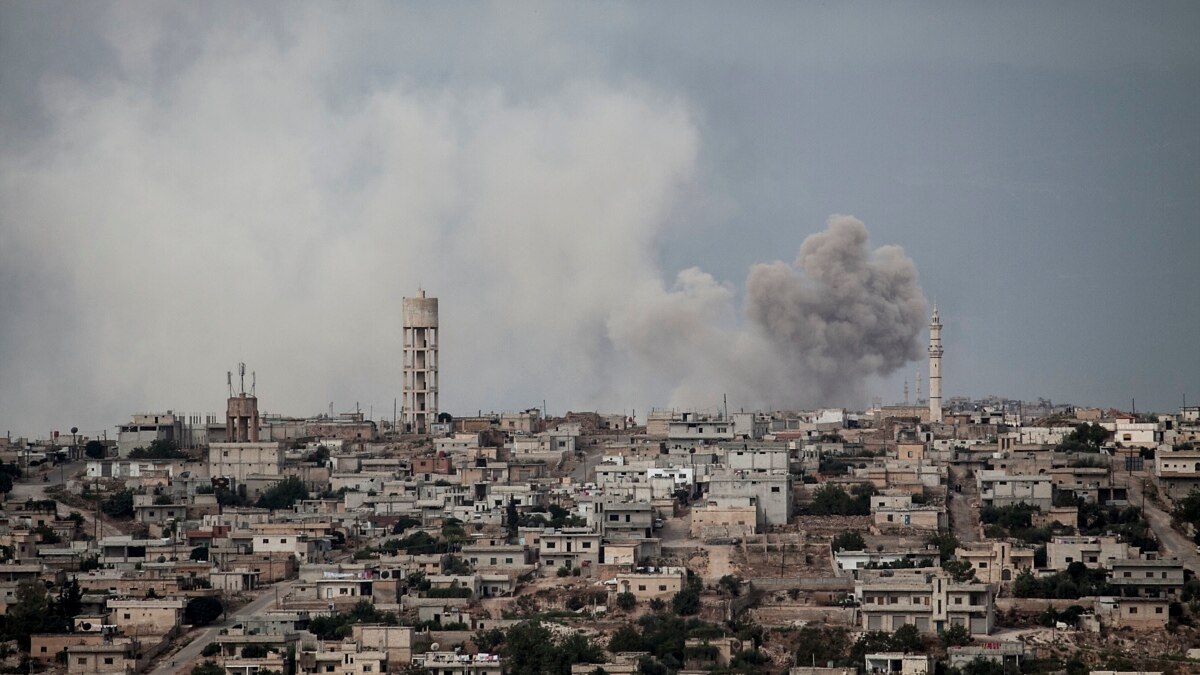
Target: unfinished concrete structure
241,411
420,363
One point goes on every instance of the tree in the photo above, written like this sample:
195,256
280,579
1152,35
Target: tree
283,494
849,541
210,649
199,554
202,611
254,651
956,636
160,448
832,500
960,570
907,638
945,542
626,601
119,505
6,483
731,584
404,523
817,644
511,519
687,601
94,450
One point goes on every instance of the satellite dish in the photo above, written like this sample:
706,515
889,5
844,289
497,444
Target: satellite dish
86,625
434,647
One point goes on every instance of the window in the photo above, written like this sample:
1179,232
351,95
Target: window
493,561
81,661
1133,610
1126,575
43,649
549,544
587,544
775,488
612,517
958,601
641,587
266,541
127,617
283,541
662,587
108,661
1158,610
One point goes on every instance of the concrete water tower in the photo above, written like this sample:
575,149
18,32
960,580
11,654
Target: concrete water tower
420,363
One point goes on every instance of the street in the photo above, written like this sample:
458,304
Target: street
1172,542
181,660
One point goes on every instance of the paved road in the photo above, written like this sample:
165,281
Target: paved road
182,660
1171,541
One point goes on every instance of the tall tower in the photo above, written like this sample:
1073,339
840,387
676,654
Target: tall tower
241,410
420,363
935,367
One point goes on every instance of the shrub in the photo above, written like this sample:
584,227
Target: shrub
626,601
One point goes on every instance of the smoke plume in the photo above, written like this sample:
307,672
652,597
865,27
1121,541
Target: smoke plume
202,197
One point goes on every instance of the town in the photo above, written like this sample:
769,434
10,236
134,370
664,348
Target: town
956,535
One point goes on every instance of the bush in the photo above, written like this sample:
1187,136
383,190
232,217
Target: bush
832,500
283,494
119,505
626,601
849,541
254,651
202,611
956,636
211,649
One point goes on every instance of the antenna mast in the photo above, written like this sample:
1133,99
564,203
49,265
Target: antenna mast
253,382
242,377
229,381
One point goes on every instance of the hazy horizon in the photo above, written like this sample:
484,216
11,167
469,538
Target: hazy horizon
619,205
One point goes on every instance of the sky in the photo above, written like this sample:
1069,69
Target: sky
619,205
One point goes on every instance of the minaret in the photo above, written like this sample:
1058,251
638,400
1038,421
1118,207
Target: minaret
935,367
420,363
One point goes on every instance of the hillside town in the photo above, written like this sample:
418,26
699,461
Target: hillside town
937,536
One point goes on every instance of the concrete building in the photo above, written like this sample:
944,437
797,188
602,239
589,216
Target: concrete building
996,562
145,428
421,340
1162,578
648,584
239,461
771,493
930,600
999,488
1095,552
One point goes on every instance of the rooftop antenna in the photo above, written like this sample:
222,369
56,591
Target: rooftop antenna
229,381
253,382
242,377
906,391
918,401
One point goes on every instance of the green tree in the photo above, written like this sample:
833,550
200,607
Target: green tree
849,541
6,483
283,494
831,500
94,450
119,504
956,636
511,519
818,644
960,570
687,601
945,542
626,601
202,611
199,554
907,638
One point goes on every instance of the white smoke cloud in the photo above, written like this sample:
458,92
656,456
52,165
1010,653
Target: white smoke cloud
175,220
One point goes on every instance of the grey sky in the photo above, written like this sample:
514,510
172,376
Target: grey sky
183,186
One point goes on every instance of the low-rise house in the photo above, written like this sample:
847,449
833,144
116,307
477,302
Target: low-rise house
931,601
996,562
453,663
1134,613
1162,578
1095,552
1007,654
569,547
340,658
999,488
147,617
649,583
899,663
